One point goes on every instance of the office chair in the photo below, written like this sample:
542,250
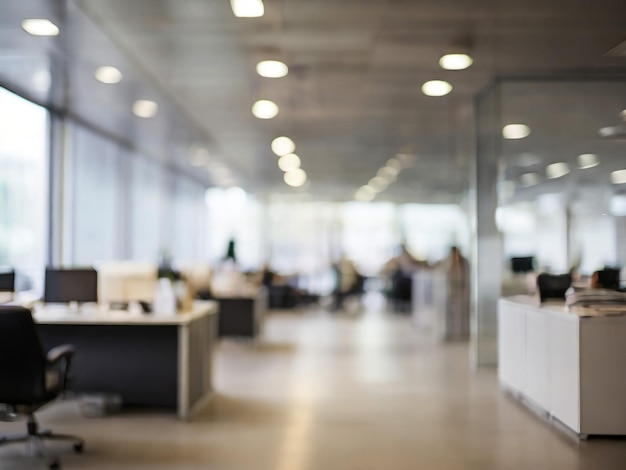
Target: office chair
29,379
553,286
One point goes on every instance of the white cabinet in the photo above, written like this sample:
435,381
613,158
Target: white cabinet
571,367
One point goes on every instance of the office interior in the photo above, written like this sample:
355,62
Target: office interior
141,137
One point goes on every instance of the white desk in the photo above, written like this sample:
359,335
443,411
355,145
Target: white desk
147,359
571,367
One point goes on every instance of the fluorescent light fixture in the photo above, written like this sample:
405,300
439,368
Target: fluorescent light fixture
618,177
556,170
108,74
587,160
289,162
436,88
515,131
455,61
295,178
529,179
145,108
378,184
40,27
265,109
272,69
283,145
247,8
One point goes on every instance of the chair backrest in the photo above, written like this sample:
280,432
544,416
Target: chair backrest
553,286
22,360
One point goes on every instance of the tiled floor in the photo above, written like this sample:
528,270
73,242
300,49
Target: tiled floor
323,391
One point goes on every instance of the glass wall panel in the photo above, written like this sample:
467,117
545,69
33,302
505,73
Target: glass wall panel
23,188
146,209
96,199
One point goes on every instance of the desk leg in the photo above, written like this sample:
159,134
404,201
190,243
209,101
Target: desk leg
183,371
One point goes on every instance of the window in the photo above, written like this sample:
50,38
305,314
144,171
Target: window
23,188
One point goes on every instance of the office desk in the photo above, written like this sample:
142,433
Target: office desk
242,315
148,360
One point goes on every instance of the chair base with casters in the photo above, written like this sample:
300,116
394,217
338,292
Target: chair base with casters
34,438
31,379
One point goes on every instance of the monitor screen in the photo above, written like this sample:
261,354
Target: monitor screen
71,285
522,264
7,281
127,281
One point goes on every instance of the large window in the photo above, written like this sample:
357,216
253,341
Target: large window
23,188
147,187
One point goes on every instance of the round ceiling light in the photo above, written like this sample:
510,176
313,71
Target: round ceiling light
455,61
365,194
272,69
587,160
145,108
436,88
295,178
515,131
198,156
265,109
40,27
289,162
282,146
378,184
108,74
618,177
529,179
557,170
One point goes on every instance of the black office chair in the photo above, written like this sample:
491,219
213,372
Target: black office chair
29,378
553,286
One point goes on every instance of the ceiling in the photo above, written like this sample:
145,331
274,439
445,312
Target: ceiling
352,99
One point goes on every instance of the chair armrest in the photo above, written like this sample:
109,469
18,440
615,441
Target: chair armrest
65,351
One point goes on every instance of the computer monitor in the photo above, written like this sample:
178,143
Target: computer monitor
522,264
609,278
7,281
127,281
70,285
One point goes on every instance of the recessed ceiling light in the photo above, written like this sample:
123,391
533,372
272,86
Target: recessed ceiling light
289,162
265,109
618,177
283,145
395,164
108,74
272,69
365,194
40,27
436,88
378,184
198,156
388,173
247,8
455,61
295,178
515,131
587,160
529,179
556,170
145,108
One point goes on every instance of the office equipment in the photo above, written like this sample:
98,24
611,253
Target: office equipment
553,286
70,285
126,281
609,278
7,281
29,377
147,360
522,264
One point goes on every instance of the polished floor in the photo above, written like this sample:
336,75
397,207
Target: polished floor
363,390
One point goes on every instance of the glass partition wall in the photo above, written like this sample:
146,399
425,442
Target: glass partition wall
557,150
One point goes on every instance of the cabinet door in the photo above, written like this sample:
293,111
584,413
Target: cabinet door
565,371
537,383
511,345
